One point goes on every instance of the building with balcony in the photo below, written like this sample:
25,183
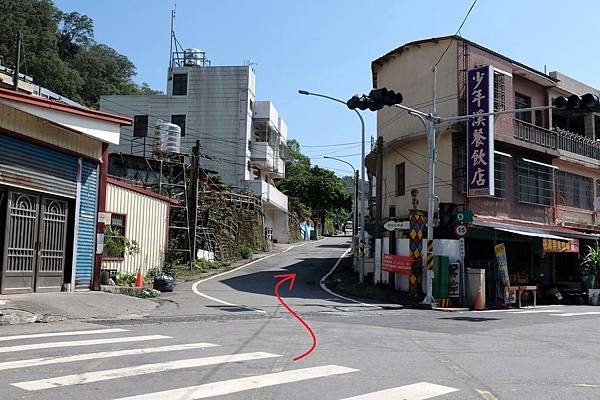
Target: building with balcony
546,163
244,140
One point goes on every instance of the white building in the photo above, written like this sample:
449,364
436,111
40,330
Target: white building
217,106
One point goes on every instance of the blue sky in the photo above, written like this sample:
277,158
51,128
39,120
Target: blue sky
327,46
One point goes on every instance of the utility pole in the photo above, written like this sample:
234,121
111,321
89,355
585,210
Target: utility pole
355,219
18,40
379,189
193,210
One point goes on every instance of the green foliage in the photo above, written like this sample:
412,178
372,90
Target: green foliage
153,273
591,264
125,278
245,251
60,53
313,191
115,243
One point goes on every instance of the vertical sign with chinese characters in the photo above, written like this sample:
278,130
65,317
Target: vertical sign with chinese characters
480,132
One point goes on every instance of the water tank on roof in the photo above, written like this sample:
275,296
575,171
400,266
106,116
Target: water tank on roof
192,57
167,138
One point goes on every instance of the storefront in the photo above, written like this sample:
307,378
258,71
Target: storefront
535,256
50,188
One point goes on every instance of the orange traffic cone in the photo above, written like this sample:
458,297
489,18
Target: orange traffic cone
479,305
139,280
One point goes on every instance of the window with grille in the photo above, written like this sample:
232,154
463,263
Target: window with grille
522,101
575,190
499,91
534,183
140,125
115,231
400,179
500,176
179,84
179,120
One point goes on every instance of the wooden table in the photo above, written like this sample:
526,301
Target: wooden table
522,289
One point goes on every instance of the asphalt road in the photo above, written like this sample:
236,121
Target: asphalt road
203,348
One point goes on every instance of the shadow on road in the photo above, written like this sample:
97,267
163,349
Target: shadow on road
308,275
334,246
471,319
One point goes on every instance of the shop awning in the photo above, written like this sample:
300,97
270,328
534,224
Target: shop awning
533,229
535,234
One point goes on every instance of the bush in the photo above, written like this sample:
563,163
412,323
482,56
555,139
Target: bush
245,251
153,273
125,279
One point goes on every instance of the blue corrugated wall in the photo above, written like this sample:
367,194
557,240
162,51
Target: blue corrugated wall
86,233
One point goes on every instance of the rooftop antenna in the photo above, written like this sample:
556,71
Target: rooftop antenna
172,37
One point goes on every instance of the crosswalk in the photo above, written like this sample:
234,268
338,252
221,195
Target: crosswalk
553,311
85,368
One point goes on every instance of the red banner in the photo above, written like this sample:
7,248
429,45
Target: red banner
397,264
559,246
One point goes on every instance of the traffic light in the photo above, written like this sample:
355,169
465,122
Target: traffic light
376,100
385,96
362,103
587,103
447,215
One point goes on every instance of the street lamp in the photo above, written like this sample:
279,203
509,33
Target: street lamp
355,211
362,175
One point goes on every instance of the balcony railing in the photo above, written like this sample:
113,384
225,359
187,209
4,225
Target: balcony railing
269,194
534,134
263,155
578,144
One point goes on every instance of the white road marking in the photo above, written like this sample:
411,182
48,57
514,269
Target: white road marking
576,314
97,376
417,391
536,311
241,384
77,343
515,310
51,334
34,362
325,288
226,303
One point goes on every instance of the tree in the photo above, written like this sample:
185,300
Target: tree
76,32
59,52
314,188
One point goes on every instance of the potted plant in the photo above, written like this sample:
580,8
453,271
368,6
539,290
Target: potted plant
591,268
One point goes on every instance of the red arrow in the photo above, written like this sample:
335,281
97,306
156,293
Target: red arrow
292,278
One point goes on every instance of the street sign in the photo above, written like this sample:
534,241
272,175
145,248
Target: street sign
393,225
460,230
464,217
397,264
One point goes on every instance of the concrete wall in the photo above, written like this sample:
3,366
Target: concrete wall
410,73
413,154
278,220
404,136
217,109
146,223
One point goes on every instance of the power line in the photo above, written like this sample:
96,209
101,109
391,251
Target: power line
457,32
330,145
417,106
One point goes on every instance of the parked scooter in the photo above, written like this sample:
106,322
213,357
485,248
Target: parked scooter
548,294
